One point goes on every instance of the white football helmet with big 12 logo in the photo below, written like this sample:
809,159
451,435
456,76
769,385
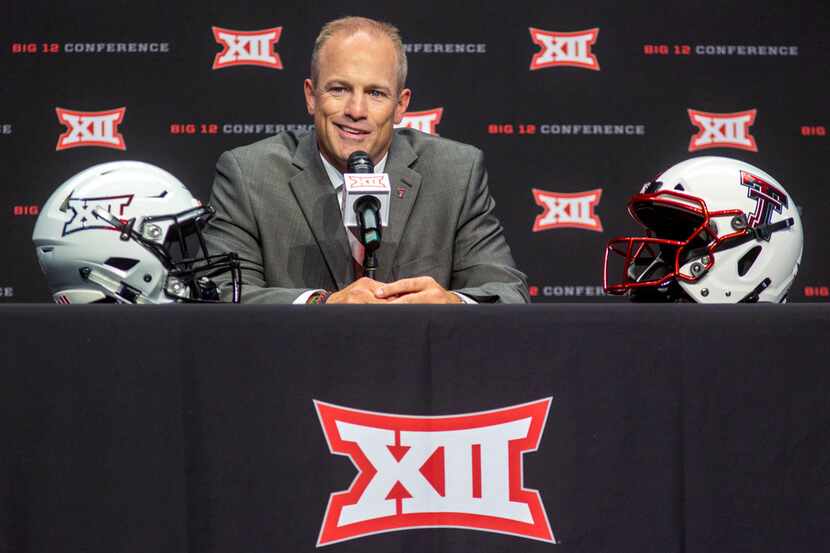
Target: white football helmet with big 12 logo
128,232
718,230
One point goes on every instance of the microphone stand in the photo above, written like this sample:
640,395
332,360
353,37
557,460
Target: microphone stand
367,207
370,265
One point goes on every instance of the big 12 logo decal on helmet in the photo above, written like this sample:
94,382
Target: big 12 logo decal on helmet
81,214
723,130
458,471
247,48
564,49
91,128
424,121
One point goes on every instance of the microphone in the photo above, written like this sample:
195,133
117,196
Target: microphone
367,209
359,162
366,200
366,205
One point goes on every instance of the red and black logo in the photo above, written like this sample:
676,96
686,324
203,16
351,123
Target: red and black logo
768,198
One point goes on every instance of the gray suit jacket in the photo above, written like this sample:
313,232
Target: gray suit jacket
276,207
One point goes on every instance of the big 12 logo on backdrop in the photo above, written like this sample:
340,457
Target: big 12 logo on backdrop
567,210
424,121
247,48
560,49
458,471
91,128
723,130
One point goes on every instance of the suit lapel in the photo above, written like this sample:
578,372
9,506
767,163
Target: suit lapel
318,202
405,184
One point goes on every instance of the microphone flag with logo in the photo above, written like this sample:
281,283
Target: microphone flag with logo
366,199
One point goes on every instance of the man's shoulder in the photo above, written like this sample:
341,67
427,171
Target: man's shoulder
429,146
281,145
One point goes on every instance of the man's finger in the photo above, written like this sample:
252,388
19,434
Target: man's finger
403,286
359,291
417,297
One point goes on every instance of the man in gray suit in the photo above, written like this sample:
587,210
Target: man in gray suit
277,204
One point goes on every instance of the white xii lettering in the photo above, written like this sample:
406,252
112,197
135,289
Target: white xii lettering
564,49
567,210
723,130
247,48
458,496
98,128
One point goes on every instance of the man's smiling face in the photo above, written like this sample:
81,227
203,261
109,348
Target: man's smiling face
355,101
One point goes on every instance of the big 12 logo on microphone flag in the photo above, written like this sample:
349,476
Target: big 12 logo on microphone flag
457,471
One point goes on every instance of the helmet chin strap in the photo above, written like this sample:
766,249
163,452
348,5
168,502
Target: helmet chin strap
761,232
128,233
764,232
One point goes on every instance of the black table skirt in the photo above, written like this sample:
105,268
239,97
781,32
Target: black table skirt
679,428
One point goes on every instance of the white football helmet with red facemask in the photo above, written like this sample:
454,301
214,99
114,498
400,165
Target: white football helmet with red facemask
718,231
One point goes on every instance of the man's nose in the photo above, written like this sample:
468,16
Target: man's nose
357,106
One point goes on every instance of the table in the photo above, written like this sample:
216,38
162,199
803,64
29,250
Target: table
194,428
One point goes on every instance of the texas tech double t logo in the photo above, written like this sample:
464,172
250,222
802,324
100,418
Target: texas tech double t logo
459,471
768,198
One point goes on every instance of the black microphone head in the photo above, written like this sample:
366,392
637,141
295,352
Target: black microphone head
366,202
359,162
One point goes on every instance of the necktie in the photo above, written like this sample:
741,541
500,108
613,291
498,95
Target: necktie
358,251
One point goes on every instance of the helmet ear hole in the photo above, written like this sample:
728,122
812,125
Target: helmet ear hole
121,263
747,260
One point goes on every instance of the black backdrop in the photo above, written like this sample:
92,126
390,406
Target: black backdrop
656,61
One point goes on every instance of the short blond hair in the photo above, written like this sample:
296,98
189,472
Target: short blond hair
351,25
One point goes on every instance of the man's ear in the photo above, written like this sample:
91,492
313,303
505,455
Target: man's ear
402,105
308,90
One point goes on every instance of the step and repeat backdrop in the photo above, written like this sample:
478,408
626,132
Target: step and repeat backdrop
575,104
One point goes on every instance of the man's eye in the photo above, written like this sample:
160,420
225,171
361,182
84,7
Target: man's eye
337,90
377,94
